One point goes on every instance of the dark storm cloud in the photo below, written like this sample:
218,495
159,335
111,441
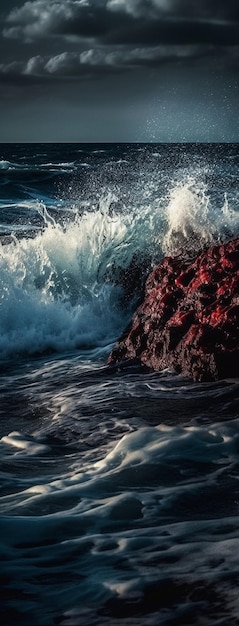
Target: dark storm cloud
68,65
151,22
63,39
63,18
73,64
111,70
199,9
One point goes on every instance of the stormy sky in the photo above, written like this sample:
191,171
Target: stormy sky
119,70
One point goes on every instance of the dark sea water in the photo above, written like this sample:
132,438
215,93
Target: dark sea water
119,486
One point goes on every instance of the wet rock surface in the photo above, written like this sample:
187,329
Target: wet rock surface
189,317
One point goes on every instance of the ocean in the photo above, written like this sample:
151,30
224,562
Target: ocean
119,489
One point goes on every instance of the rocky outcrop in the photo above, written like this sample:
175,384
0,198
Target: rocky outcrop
189,318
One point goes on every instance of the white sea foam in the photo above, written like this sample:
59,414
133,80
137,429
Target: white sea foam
61,167
6,165
186,452
21,443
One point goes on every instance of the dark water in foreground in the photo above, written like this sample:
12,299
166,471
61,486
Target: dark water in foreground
119,487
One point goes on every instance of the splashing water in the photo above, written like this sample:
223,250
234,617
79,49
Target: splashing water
192,219
60,289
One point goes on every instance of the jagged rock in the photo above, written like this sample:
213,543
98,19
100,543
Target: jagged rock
189,318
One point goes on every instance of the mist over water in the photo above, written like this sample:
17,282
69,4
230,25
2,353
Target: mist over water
119,486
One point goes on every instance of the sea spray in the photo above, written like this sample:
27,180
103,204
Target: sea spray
59,288
193,221
64,259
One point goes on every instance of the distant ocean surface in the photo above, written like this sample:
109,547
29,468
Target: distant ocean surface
119,490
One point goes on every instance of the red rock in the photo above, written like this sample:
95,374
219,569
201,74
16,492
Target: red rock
189,318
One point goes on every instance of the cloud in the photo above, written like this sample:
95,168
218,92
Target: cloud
13,68
141,8
118,36
39,18
34,67
137,57
208,9
136,22
63,66
104,61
